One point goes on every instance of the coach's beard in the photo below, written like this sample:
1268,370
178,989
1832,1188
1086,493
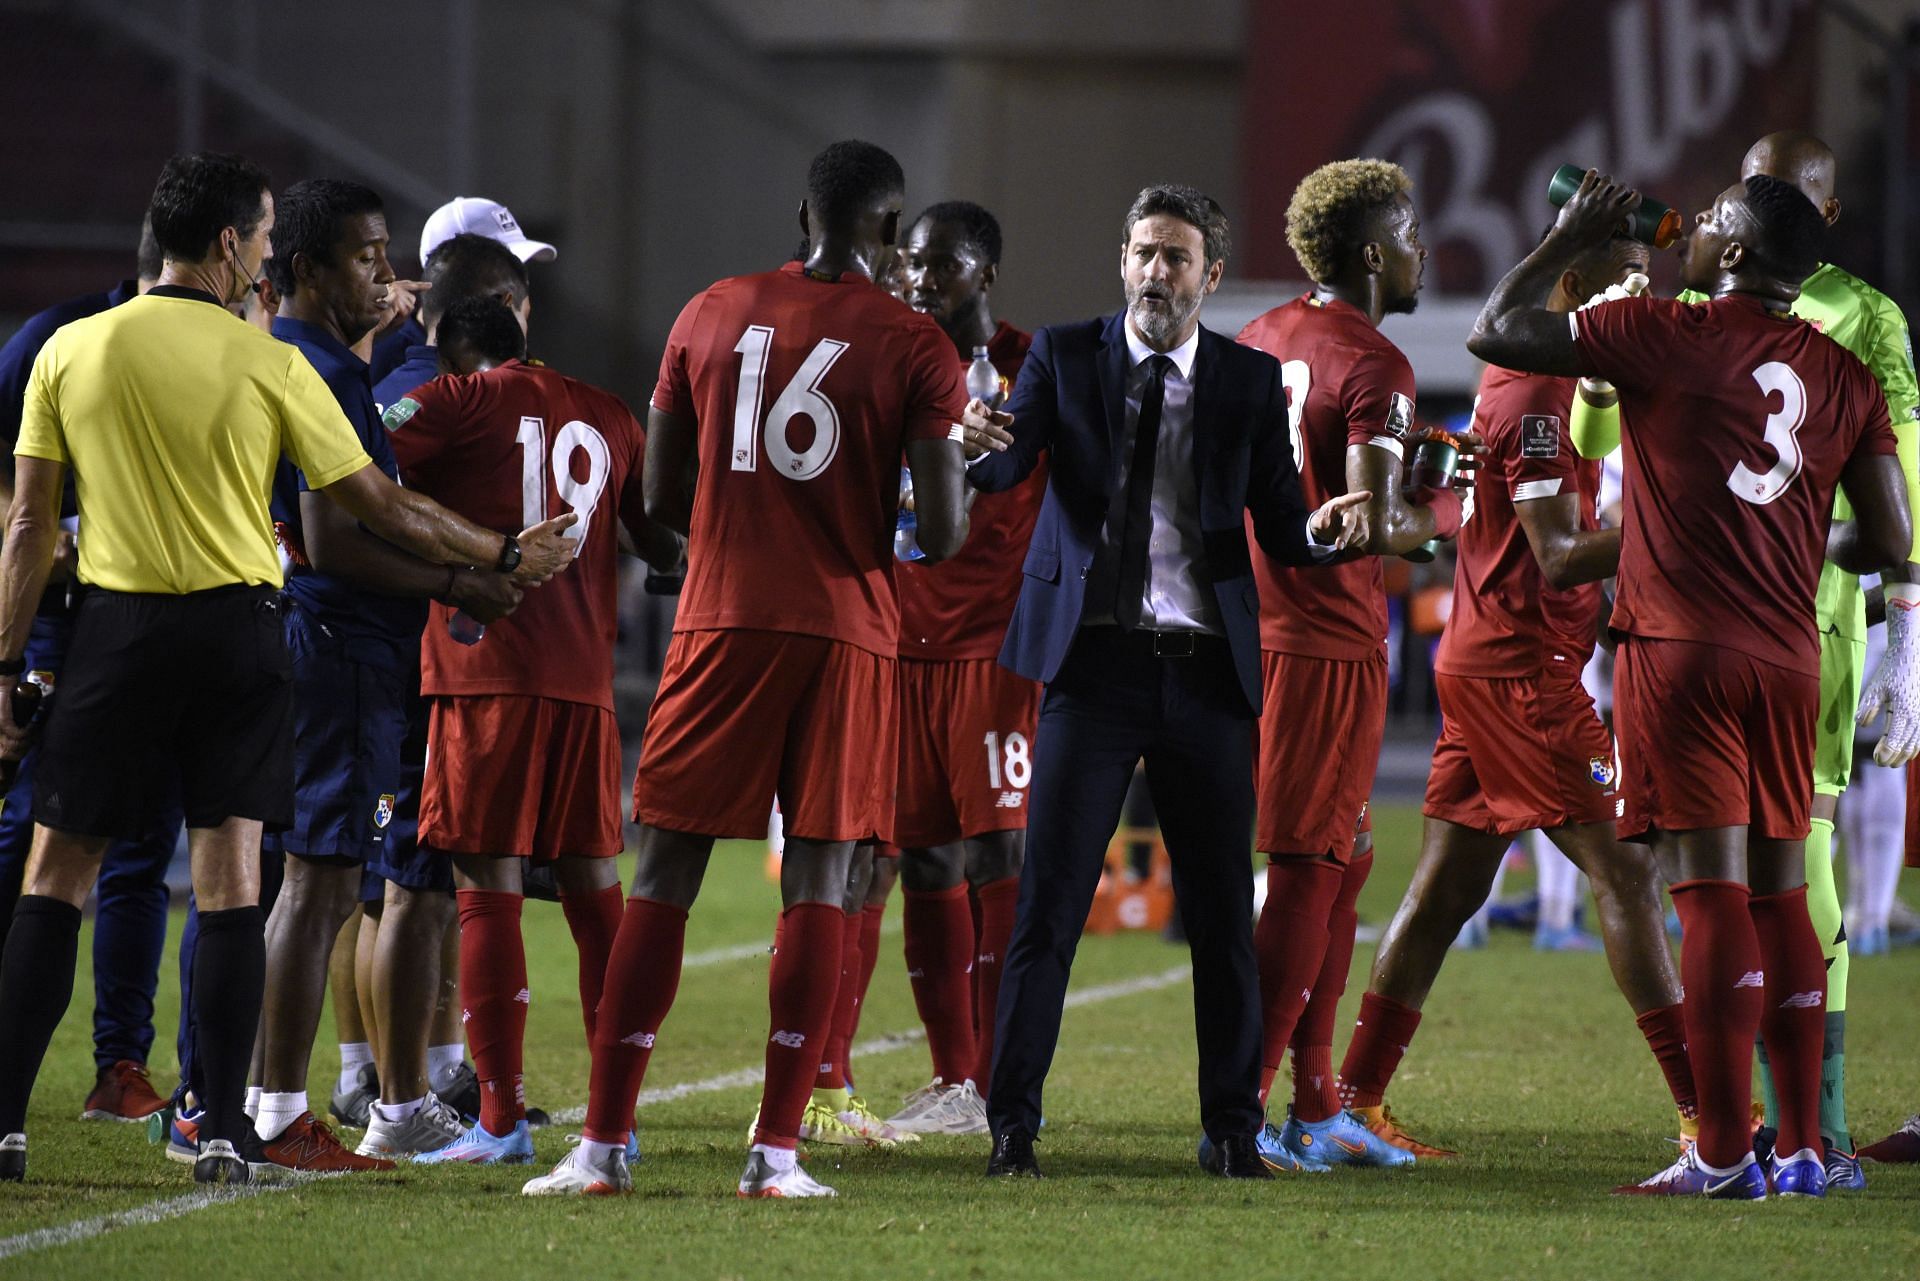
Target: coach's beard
1159,313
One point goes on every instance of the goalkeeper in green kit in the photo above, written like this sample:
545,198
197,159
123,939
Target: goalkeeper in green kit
1868,324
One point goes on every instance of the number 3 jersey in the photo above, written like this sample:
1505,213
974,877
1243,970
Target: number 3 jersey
1346,385
508,448
805,389
1736,425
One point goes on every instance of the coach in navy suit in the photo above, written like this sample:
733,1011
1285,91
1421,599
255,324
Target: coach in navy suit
1138,611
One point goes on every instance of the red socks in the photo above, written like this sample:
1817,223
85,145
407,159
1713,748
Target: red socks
831,1073
493,1001
1666,1033
1289,943
1316,1096
802,985
594,920
642,976
996,901
1381,1036
1721,976
1793,1024
939,947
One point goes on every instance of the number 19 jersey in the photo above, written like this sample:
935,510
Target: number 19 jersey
509,448
805,389
1737,423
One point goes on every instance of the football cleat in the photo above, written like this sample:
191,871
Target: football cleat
1802,1174
1273,1154
178,1126
1569,939
1902,1147
939,1108
478,1147
122,1092
760,1179
217,1162
578,1175
351,1101
1379,1119
432,1126
13,1158
309,1146
633,1145
1763,1140
1687,1176
820,1123
854,1112
1341,1139
1843,1170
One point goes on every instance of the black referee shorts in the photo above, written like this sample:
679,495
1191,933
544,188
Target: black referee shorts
164,696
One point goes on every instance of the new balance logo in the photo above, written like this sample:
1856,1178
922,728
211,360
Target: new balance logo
916,974
1009,800
524,996
466,1016
791,1040
1752,978
639,1040
985,958
1805,1001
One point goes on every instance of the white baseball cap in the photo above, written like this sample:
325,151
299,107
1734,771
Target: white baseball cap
479,216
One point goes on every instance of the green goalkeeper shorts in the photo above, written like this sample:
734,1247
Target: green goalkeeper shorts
1841,662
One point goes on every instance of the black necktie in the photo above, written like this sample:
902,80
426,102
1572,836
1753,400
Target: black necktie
1136,525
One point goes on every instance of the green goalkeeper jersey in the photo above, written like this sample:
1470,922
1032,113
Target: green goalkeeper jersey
1867,323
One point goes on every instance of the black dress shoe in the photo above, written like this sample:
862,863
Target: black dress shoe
1013,1157
1235,1158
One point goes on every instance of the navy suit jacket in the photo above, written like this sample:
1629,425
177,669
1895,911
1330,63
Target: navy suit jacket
1070,402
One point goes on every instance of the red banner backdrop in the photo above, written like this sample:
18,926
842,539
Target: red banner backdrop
1482,99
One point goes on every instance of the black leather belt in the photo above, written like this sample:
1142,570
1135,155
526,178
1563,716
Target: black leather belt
1177,644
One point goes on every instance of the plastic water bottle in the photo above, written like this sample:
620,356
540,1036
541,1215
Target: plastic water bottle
465,628
1652,223
906,538
28,705
1435,461
983,380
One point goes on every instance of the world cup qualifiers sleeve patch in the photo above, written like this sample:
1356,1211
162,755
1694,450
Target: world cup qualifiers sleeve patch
1539,436
1399,416
398,413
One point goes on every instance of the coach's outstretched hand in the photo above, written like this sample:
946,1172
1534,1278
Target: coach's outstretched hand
1895,683
545,550
984,429
1593,212
1342,521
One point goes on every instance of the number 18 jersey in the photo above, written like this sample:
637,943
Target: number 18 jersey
509,448
1737,423
805,390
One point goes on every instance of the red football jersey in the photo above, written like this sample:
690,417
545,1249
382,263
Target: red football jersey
1506,620
1346,385
805,390
509,448
1736,425
959,608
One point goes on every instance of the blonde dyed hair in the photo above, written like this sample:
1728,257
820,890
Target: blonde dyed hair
1328,217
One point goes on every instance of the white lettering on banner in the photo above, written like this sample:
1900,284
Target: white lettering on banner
1678,68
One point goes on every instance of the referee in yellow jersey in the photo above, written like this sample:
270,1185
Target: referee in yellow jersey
172,413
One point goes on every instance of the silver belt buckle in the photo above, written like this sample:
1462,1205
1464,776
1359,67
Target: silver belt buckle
1173,644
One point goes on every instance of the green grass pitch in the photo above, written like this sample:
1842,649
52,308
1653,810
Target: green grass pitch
1529,1064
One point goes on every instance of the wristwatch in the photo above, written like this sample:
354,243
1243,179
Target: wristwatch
509,556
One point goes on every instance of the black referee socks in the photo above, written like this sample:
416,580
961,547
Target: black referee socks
36,983
229,977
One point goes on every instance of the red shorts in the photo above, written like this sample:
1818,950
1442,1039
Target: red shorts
1711,737
744,715
966,750
1317,752
1518,754
517,775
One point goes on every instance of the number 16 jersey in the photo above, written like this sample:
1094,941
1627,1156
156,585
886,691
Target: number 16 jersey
509,448
805,389
1737,423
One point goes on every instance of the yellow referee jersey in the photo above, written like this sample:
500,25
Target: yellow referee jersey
172,413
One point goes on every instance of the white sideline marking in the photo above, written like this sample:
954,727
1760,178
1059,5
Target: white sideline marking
749,1076
153,1212
744,951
